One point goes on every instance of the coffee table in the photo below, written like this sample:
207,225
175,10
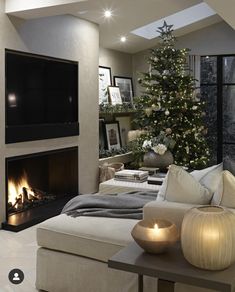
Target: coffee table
169,268
113,186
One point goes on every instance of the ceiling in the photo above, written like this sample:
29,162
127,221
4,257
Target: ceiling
128,15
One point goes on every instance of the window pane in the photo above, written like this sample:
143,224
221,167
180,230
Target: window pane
229,114
208,70
209,94
229,69
229,150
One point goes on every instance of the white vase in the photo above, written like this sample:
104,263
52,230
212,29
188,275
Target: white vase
208,237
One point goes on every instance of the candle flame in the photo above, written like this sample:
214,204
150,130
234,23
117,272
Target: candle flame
155,226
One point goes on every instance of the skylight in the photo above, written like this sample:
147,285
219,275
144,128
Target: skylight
180,19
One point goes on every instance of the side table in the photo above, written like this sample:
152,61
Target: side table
169,268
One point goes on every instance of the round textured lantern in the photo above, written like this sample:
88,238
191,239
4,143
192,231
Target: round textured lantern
208,237
155,236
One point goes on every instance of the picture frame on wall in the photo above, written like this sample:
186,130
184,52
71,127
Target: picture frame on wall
125,85
113,135
102,136
105,80
115,95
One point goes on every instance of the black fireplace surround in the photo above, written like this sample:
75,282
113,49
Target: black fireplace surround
39,185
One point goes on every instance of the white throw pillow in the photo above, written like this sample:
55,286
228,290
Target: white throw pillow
225,194
209,177
180,186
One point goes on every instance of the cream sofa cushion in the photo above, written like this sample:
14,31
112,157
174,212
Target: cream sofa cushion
225,194
171,211
209,177
199,174
94,237
180,186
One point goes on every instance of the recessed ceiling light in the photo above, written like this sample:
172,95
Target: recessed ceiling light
123,39
107,13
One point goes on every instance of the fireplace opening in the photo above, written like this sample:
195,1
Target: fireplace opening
39,185
21,196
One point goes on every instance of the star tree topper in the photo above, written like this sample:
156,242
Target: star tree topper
165,31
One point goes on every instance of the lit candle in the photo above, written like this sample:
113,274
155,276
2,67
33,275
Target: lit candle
156,233
156,230
155,237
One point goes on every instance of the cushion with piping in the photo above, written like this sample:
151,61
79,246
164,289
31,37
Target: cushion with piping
225,193
229,164
180,186
198,174
209,175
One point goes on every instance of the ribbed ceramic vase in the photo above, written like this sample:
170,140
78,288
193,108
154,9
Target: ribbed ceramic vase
208,237
152,159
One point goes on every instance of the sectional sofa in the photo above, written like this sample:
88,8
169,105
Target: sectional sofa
73,252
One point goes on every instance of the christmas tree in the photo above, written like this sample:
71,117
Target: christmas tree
169,103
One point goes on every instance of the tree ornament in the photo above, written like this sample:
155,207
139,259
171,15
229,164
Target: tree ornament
168,131
148,111
167,113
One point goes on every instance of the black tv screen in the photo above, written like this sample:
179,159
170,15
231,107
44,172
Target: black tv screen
41,97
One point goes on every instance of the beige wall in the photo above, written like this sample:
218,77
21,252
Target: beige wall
120,63
215,39
63,37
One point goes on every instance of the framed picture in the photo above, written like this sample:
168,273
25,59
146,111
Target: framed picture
113,137
102,136
105,80
115,95
126,88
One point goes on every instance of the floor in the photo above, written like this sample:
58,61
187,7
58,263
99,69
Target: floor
18,250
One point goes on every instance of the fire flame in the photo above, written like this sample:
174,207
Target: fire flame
15,188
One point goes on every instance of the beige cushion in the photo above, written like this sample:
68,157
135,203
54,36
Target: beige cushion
93,237
171,211
180,186
209,177
225,194
199,174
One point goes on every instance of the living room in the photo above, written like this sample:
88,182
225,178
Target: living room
52,145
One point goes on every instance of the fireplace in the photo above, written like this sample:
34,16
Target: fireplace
39,185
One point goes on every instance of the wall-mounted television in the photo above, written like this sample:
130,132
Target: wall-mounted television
41,97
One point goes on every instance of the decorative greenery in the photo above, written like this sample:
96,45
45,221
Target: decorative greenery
146,142
108,108
109,153
159,144
170,102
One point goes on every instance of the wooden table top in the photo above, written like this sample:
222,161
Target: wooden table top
171,266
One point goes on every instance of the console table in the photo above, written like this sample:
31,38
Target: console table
169,268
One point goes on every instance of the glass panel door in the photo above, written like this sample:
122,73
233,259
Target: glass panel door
209,94
228,97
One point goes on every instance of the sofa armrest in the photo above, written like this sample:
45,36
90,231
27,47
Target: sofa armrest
171,211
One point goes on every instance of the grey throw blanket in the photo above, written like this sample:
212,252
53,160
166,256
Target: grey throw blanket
122,205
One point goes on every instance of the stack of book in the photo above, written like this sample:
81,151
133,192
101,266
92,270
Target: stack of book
156,179
131,175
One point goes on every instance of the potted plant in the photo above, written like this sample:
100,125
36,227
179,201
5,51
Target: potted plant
151,151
